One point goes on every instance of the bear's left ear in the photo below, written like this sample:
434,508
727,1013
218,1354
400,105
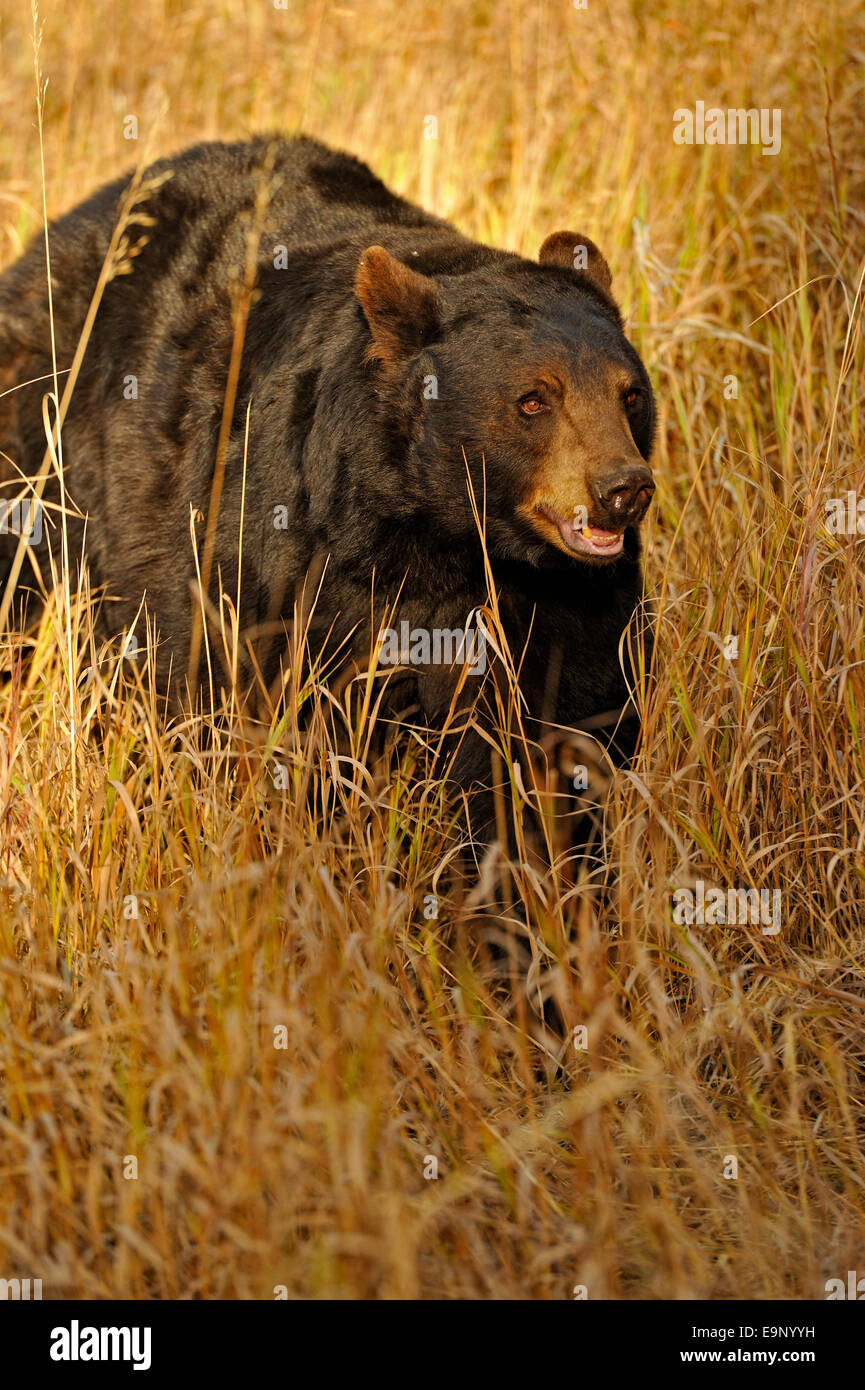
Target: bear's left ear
401,306
576,252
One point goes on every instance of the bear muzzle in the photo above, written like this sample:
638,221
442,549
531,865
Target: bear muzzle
618,498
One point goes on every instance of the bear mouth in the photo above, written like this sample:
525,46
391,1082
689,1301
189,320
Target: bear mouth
596,542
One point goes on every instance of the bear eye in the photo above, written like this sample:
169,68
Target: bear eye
532,405
633,396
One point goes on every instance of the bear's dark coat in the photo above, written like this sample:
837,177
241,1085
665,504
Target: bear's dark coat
344,431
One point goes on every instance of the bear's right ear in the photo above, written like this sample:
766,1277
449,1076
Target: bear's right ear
401,306
576,252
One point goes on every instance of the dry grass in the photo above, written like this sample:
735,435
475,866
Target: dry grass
165,906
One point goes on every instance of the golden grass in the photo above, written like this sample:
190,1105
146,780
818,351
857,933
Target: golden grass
166,904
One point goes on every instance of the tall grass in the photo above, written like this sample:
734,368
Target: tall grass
241,956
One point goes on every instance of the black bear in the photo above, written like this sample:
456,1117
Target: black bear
401,389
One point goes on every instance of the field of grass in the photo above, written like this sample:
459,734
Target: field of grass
225,981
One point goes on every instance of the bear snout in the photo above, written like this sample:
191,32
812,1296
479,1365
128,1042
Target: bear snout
623,493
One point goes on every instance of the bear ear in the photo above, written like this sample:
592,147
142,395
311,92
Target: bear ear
401,306
576,252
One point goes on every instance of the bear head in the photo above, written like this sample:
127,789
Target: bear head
518,374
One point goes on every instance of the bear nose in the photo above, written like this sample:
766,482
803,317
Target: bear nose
625,492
